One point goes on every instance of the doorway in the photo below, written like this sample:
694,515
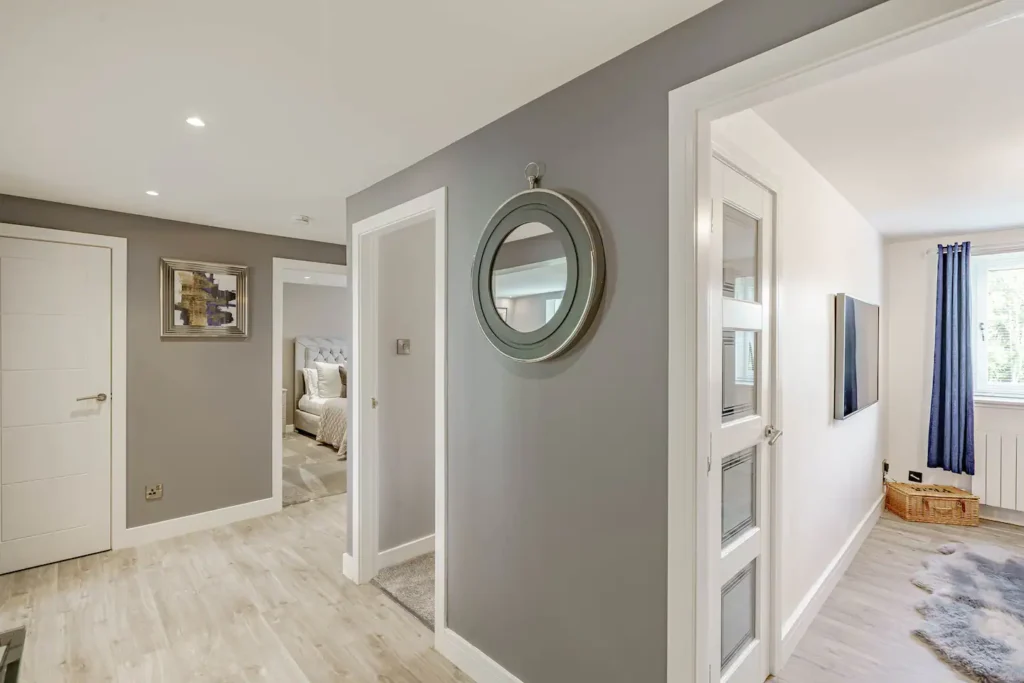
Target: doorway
398,435
309,426
701,645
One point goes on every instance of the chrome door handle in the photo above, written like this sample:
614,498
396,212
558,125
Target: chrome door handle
98,397
772,434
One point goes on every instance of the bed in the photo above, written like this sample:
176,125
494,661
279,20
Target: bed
324,418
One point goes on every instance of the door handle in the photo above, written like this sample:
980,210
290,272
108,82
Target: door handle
98,397
772,434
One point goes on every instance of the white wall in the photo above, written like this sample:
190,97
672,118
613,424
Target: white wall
830,471
315,311
910,273
405,310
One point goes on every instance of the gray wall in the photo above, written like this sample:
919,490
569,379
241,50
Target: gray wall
315,311
556,482
198,411
405,310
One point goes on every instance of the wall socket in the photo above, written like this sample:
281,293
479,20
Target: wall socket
915,476
154,492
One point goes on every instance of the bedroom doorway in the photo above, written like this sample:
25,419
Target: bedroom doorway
398,406
311,347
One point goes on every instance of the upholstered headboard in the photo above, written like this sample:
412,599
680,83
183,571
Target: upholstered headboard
309,350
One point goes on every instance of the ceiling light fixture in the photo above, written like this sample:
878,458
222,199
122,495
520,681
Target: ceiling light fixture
306,276
152,193
195,121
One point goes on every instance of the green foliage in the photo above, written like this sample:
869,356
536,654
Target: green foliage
1004,332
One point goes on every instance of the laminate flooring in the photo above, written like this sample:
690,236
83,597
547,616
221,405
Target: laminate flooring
863,633
260,600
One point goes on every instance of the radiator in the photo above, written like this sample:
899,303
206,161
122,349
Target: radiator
999,469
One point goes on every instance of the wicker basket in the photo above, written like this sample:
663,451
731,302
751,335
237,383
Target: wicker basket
932,504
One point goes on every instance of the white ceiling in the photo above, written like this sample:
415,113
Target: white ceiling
306,101
532,279
930,143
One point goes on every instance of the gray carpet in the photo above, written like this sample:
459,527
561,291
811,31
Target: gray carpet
974,617
411,585
311,470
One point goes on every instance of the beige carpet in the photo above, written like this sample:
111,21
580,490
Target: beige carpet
311,470
411,585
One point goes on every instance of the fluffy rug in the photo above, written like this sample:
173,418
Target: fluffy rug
411,585
974,617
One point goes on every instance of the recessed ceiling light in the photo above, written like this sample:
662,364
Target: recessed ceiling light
152,193
195,121
306,276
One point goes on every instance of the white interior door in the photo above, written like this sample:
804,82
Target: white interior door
55,347
739,470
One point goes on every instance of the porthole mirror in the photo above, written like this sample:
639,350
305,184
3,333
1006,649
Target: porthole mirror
538,274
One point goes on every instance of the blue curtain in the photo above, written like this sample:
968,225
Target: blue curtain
951,427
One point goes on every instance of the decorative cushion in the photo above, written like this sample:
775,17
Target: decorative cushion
311,382
328,378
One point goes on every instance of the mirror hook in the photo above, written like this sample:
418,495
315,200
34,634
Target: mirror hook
534,178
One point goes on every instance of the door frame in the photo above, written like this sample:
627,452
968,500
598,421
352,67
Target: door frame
118,360
874,36
360,563
289,270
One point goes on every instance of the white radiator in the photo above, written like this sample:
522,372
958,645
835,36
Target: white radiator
999,469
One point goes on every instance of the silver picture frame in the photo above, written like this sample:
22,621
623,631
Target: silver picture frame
172,328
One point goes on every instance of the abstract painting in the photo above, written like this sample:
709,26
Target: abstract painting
203,299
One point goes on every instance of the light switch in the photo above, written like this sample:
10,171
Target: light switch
403,347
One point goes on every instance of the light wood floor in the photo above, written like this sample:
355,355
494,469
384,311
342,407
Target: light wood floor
262,600
863,632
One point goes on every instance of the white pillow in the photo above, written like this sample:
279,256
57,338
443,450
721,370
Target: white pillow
328,380
311,382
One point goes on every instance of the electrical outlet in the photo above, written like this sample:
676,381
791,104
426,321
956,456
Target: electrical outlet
915,476
154,492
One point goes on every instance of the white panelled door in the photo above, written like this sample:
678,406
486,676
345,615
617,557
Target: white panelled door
742,239
55,421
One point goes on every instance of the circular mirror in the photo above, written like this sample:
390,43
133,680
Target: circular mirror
538,275
528,277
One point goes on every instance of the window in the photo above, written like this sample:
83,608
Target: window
998,319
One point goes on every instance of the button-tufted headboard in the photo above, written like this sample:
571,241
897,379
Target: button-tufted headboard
309,350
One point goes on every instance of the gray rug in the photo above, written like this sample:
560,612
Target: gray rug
311,470
411,585
974,617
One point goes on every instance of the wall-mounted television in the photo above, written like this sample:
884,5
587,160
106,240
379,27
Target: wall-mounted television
857,330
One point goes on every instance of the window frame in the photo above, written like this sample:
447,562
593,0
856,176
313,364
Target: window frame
981,266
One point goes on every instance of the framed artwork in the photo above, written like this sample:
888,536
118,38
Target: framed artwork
203,300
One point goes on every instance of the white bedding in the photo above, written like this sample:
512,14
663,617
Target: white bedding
308,404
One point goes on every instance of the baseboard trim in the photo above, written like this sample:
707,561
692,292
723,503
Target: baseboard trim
288,429
796,626
470,659
349,568
1003,515
159,531
405,552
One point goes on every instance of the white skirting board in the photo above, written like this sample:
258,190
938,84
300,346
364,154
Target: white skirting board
405,552
1003,515
796,626
349,568
472,661
288,429
202,521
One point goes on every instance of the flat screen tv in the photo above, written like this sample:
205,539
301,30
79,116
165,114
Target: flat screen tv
857,328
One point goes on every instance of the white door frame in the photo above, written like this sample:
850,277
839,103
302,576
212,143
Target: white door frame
298,272
875,36
360,566
118,360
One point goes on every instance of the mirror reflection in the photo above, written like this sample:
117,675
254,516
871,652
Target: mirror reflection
529,276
